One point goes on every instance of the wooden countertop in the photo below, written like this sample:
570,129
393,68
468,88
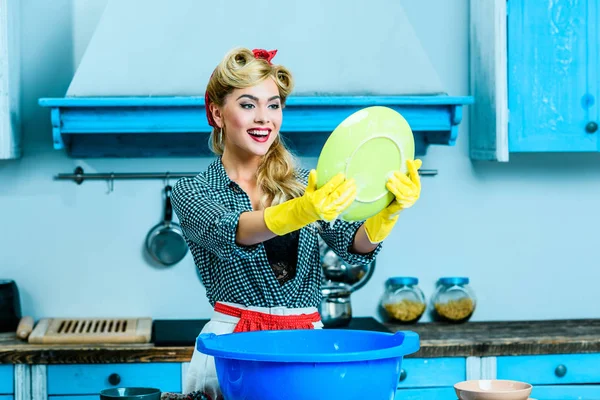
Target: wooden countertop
15,351
437,340
483,339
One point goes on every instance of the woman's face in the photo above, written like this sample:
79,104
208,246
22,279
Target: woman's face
251,118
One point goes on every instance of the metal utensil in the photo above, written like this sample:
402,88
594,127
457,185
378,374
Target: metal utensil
335,307
165,241
336,270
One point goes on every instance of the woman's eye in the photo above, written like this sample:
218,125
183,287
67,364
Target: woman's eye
274,106
247,105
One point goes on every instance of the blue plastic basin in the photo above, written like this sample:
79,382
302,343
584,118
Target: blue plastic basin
309,364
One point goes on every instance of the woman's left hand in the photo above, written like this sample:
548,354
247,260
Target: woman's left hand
406,190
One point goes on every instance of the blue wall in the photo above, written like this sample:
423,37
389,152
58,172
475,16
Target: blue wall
525,232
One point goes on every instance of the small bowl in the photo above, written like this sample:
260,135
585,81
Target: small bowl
130,393
484,389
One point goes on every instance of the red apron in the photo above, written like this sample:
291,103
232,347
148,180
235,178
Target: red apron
257,321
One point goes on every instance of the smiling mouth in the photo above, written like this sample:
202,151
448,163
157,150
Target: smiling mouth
259,135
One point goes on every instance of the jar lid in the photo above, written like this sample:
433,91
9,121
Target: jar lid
454,280
402,280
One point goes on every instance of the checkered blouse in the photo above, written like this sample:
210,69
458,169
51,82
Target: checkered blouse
209,206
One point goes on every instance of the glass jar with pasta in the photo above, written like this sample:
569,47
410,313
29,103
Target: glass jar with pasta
453,300
403,301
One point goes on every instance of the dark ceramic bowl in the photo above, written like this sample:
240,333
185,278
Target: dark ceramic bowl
130,393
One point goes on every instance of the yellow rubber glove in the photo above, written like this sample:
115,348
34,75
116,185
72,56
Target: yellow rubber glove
326,203
407,190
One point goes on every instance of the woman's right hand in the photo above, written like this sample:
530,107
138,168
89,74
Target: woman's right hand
325,203
332,199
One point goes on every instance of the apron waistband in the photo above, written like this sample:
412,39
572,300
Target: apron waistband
256,321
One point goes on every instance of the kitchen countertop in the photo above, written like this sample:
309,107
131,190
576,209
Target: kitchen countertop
437,340
499,338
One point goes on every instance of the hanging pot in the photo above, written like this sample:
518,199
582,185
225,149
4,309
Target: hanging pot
165,241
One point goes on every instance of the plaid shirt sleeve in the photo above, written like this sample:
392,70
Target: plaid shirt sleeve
207,221
339,236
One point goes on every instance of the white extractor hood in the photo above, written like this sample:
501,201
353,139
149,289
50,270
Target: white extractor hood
169,48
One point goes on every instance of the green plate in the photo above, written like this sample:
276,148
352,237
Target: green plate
368,146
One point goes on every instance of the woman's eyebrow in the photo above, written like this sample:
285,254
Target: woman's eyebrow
256,98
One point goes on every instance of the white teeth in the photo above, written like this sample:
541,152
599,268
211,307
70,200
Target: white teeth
258,132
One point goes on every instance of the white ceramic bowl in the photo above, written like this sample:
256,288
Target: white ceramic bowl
484,389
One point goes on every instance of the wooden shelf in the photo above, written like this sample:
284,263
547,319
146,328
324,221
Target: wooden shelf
176,126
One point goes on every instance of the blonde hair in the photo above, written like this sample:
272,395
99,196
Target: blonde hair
276,175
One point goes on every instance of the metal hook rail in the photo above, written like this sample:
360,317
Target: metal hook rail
79,176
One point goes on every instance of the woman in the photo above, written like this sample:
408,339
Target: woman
252,219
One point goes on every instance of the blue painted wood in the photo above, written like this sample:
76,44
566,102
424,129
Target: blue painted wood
176,126
86,397
92,378
6,379
553,73
296,101
446,393
6,397
541,369
433,372
575,392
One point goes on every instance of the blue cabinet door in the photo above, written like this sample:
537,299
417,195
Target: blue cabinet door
551,369
553,66
432,372
6,380
86,397
573,392
83,379
446,393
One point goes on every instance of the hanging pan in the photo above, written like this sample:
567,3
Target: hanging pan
165,241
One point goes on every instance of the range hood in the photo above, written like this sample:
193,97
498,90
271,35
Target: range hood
139,88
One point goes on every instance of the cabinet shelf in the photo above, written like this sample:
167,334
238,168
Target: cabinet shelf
176,126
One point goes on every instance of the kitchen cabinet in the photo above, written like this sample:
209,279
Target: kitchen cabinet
535,77
88,397
559,376
566,392
551,369
560,358
556,376
10,81
430,378
6,382
426,394
90,379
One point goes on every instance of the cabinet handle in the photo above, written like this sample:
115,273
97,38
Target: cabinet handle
591,127
402,375
560,371
114,379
